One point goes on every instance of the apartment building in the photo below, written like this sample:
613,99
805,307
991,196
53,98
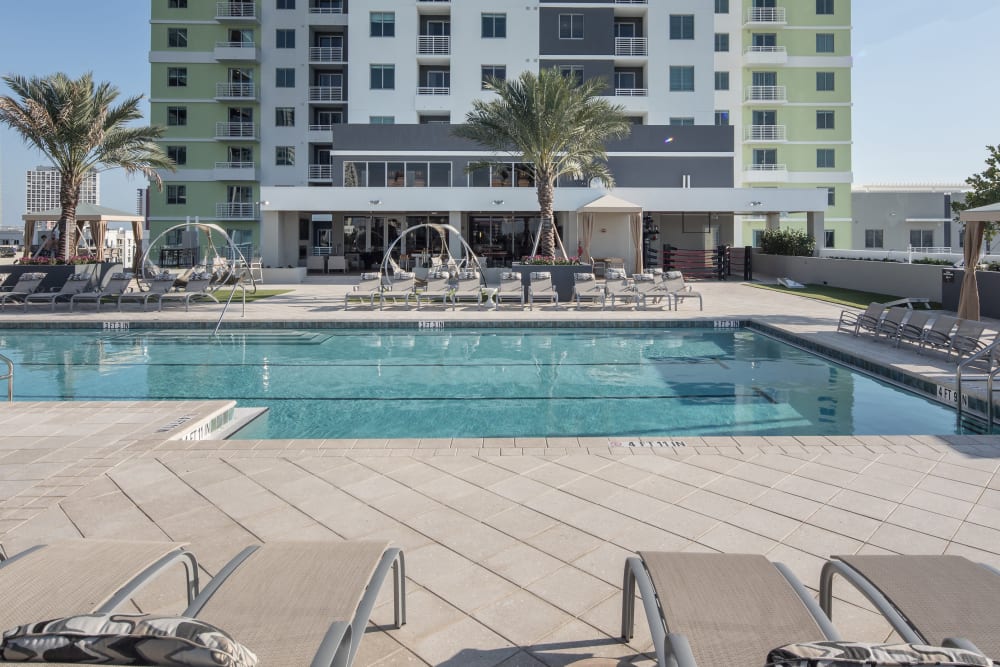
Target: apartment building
42,192
308,127
903,216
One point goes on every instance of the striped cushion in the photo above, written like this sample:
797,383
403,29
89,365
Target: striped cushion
583,277
643,277
614,274
541,275
370,276
855,654
510,275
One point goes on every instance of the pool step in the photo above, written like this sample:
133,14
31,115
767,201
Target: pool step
201,337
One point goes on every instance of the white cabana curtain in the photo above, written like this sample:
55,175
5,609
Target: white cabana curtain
587,234
968,303
98,231
635,227
29,235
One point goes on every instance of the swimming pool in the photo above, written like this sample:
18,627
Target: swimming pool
451,383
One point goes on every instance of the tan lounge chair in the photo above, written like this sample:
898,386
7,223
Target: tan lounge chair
719,610
401,285
116,286
438,287
157,287
368,288
890,325
677,290
197,287
852,322
968,338
469,287
540,288
76,283
26,285
302,603
647,289
617,287
938,335
587,288
926,599
511,288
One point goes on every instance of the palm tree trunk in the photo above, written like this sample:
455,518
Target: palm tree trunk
69,198
547,241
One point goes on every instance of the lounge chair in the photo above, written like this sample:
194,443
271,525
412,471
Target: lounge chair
469,288
157,287
117,285
647,288
677,290
938,335
926,599
968,338
587,288
83,576
719,610
302,603
401,285
27,284
617,286
511,288
540,288
438,287
852,322
76,283
369,286
915,326
890,325
196,288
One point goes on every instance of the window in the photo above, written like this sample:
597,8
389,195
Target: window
383,77
284,117
571,26
495,25
177,194
177,38
382,120
757,233
574,72
831,196
494,72
685,120
681,79
722,80
721,42
721,117
824,42
177,4
873,238
825,158
284,38
824,7
830,238
922,238
824,120
383,24
682,26
286,4
177,116
284,156
179,154
721,6
824,81
765,156
284,77
177,77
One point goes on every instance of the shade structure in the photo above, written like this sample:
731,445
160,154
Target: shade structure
975,220
586,236
96,216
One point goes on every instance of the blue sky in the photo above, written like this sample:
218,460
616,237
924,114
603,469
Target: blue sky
925,92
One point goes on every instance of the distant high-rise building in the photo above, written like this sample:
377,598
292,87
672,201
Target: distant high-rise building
43,189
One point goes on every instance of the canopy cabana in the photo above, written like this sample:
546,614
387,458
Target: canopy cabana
96,217
975,220
612,204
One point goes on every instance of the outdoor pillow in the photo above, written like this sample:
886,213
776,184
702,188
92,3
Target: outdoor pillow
855,654
643,277
404,275
370,276
583,277
79,277
125,639
674,274
33,276
121,276
510,275
468,275
614,274
166,275
541,275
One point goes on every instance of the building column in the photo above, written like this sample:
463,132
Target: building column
270,238
816,228
455,242
773,221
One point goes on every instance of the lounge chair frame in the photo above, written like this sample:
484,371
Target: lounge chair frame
852,322
66,292
114,289
195,289
21,290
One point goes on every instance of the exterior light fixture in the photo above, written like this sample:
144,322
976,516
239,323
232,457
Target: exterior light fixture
374,202
498,202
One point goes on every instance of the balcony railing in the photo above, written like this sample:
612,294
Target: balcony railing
235,90
234,165
764,133
434,44
326,54
321,128
234,211
766,15
631,92
630,2
326,93
766,94
765,55
630,46
321,172
236,130
326,7
235,45
767,167
235,10
433,90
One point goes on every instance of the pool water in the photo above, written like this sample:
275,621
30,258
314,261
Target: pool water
451,383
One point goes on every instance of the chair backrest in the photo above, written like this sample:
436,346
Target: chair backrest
895,316
118,284
875,310
469,281
970,328
369,282
586,278
162,283
29,282
645,282
540,281
919,319
404,281
76,283
510,281
438,281
943,324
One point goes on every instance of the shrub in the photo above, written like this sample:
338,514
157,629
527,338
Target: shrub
931,260
787,242
550,261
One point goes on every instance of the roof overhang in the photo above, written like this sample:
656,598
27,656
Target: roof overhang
988,213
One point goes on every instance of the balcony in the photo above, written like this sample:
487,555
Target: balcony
765,173
765,55
326,54
235,171
769,94
434,45
326,7
769,133
630,46
631,2
235,11
321,172
434,90
765,16
236,51
326,94
235,211
631,92
236,131
321,128
235,91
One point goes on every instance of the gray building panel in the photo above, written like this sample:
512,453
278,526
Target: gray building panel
598,32
661,172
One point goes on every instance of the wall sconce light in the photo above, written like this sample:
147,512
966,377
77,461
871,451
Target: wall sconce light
374,202
756,203
263,203
498,202
604,230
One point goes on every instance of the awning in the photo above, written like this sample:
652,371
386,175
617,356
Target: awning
989,213
610,204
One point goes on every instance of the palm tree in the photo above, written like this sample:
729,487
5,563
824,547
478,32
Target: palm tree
557,125
73,123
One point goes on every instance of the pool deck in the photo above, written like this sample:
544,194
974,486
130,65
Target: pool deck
514,547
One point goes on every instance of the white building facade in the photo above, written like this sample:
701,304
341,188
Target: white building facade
42,192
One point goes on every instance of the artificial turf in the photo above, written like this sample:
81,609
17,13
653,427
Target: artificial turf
839,295
223,294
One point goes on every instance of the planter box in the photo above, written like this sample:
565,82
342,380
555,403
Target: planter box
284,276
562,277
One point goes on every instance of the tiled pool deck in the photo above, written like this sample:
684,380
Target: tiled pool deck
515,547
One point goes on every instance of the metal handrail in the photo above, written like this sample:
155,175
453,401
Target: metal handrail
9,377
987,351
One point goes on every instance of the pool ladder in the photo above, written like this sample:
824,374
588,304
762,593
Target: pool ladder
991,354
9,377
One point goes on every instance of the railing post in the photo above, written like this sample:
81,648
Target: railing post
748,262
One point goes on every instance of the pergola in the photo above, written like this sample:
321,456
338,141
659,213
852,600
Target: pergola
96,217
975,220
612,204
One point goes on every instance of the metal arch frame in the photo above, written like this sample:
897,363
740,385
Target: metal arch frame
440,229
206,227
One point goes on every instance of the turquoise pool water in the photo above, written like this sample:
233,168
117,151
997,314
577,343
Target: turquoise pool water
478,383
